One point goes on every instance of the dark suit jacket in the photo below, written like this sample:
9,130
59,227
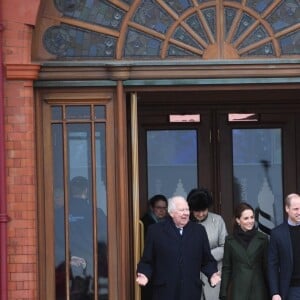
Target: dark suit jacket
147,221
173,262
280,261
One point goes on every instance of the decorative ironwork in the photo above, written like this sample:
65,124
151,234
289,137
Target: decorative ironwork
157,29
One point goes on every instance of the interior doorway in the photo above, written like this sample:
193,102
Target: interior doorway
241,146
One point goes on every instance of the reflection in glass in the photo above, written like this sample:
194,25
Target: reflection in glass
80,211
101,211
80,208
79,149
99,112
257,170
59,208
56,112
78,112
172,162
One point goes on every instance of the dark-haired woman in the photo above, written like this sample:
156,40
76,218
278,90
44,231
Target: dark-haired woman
200,200
158,210
245,259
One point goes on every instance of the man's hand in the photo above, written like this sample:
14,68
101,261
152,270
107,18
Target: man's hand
141,279
276,297
215,279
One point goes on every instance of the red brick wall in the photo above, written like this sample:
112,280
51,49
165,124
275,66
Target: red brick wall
22,246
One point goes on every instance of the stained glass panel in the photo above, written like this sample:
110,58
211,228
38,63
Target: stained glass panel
229,17
258,34
264,50
285,15
175,51
152,16
182,36
259,5
151,24
179,5
140,44
210,16
290,44
197,26
69,41
243,25
95,12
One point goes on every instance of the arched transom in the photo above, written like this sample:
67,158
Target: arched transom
166,29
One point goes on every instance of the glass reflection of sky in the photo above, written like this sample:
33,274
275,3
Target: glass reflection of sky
257,168
172,162
250,146
167,147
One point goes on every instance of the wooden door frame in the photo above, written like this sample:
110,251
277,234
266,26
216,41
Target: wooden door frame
119,243
266,101
269,120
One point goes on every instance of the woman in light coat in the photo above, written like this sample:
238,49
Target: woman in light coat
199,202
244,271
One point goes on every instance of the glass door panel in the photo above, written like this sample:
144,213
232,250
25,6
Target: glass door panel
80,214
172,162
257,173
256,165
80,219
248,156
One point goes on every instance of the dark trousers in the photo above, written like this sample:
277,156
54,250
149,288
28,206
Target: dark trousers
294,293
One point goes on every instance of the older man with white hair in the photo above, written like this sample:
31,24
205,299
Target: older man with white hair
175,252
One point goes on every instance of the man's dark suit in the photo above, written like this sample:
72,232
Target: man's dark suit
280,260
173,262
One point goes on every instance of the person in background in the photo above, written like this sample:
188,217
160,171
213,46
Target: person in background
245,259
158,210
200,201
175,252
284,258
81,241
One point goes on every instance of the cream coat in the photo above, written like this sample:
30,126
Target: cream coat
216,231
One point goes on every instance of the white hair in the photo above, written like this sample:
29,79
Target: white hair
172,203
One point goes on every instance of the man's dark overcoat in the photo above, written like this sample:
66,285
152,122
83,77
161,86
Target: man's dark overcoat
280,260
173,262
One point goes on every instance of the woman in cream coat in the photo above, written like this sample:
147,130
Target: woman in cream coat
199,202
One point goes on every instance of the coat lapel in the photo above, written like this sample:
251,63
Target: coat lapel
170,229
286,235
249,253
254,246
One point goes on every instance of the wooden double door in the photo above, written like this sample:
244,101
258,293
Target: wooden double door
241,146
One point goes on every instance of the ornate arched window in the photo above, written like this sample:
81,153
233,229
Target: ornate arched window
166,29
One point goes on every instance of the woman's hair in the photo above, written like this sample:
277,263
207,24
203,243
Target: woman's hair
239,209
153,200
199,199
